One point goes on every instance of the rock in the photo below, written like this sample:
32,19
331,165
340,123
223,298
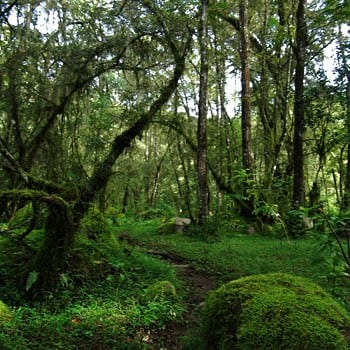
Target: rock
180,223
273,311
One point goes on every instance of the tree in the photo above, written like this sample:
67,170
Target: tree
202,163
298,136
247,159
344,75
246,127
74,69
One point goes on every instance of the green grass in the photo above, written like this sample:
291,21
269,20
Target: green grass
232,255
102,303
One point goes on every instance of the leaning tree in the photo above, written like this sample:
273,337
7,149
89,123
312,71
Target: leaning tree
54,57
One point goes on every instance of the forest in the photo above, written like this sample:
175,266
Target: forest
174,174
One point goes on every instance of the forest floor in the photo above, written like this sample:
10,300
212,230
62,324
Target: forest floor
198,284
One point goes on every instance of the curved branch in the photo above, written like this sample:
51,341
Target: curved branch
13,165
123,141
30,195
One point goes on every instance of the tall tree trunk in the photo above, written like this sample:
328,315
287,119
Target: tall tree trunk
347,176
298,137
202,156
247,159
60,229
345,72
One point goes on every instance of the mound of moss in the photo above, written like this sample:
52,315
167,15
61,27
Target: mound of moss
273,311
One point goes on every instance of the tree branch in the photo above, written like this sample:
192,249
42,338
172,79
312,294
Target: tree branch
123,141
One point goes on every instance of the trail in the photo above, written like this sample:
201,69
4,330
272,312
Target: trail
198,285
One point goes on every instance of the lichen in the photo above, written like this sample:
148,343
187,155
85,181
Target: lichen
273,311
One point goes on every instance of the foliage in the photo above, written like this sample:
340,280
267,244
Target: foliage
94,224
101,324
298,222
101,303
273,311
161,290
331,230
151,214
5,314
167,226
235,254
98,109
162,210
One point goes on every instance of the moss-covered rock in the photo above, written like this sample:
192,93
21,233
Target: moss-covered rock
160,291
5,314
273,311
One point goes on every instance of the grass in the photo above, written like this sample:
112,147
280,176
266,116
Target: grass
104,303
232,255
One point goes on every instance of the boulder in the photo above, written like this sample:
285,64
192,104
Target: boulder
180,223
273,311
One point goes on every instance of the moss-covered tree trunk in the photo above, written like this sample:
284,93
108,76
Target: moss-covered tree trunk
58,242
64,218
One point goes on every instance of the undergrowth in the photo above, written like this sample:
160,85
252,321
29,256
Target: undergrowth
101,303
233,254
103,300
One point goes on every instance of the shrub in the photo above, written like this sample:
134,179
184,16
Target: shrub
152,213
160,291
167,227
273,311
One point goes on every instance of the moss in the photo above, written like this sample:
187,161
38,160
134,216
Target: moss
5,314
22,216
161,291
167,227
273,311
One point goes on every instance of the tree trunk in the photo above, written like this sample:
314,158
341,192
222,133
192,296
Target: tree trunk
298,138
58,242
202,156
345,72
247,159
61,226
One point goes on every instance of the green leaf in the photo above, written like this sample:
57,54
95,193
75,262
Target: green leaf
272,22
32,278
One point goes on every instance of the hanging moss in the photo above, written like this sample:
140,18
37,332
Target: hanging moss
273,311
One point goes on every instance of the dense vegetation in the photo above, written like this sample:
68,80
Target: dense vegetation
118,116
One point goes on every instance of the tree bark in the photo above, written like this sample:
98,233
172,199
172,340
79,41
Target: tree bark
202,154
345,72
60,229
298,137
245,95
246,127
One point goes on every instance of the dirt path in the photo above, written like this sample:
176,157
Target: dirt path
198,285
